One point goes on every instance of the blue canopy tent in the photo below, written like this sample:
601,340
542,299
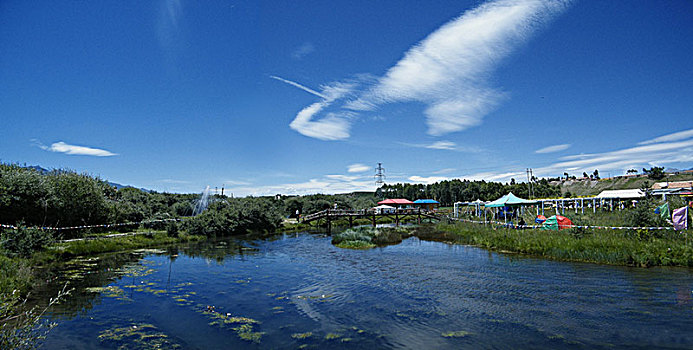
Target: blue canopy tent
509,200
507,203
428,204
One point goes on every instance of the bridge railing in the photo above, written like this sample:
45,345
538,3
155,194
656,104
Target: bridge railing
363,212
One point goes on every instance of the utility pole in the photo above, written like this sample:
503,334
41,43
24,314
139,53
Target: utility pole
379,175
530,176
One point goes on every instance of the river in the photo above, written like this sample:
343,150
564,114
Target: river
299,291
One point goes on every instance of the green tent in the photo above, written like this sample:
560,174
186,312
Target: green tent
509,200
556,223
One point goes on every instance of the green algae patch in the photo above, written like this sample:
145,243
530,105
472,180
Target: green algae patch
456,334
302,335
137,336
109,292
243,326
332,336
357,330
135,271
247,333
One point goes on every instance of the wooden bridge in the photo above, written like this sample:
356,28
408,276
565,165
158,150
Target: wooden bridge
397,215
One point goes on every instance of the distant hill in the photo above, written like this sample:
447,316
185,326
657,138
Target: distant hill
39,169
112,184
586,187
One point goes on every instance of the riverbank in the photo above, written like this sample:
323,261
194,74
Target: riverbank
613,247
20,273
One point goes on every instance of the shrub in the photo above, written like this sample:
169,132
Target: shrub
643,215
236,216
172,229
25,241
368,236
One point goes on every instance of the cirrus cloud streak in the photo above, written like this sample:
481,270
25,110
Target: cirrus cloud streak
62,147
447,71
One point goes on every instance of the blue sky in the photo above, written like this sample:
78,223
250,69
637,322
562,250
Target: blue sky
266,97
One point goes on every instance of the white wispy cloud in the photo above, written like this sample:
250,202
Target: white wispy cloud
671,149
302,87
303,50
170,12
444,171
448,70
555,148
662,153
449,145
681,135
334,125
62,147
427,179
341,177
236,182
174,181
445,145
328,184
358,168
331,127
503,176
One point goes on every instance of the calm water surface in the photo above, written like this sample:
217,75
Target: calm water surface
300,291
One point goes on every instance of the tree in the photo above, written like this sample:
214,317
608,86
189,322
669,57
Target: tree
584,174
632,171
596,174
654,173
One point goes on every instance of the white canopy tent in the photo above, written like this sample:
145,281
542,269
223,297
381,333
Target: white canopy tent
384,209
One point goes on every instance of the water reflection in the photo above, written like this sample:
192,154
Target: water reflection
300,291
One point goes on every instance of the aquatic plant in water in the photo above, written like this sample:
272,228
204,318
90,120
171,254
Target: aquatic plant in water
368,237
109,292
244,326
332,336
302,335
456,334
138,336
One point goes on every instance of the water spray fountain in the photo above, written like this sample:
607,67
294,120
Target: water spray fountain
201,204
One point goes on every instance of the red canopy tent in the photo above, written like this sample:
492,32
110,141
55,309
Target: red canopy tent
398,202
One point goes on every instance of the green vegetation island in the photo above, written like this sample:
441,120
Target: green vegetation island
51,217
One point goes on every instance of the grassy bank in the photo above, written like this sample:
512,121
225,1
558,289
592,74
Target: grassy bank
19,273
68,250
616,247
